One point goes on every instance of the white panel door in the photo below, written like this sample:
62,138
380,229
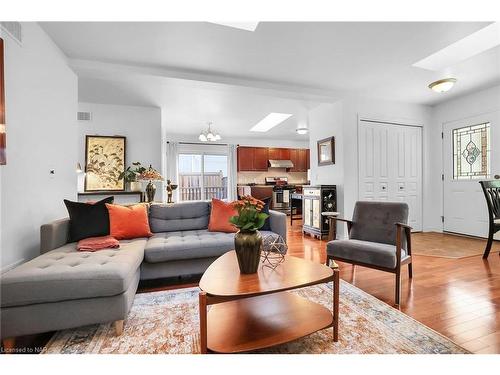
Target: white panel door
390,165
471,152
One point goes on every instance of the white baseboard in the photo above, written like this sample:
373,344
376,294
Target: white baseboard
12,265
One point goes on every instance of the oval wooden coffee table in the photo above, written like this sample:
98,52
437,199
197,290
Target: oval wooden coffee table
255,311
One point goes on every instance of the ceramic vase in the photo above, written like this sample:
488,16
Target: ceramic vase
134,186
150,192
248,247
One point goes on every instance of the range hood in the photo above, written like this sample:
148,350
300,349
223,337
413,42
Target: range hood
280,164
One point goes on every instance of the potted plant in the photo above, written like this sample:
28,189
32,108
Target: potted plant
248,240
131,176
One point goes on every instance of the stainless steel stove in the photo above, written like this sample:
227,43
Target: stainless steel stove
281,193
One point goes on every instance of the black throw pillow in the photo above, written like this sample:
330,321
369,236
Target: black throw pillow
88,220
267,224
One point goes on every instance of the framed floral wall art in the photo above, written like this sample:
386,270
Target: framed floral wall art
104,162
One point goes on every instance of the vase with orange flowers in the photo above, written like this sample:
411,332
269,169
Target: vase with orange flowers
248,240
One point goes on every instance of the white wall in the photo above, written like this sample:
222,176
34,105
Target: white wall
41,105
327,121
141,126
457,109
341,120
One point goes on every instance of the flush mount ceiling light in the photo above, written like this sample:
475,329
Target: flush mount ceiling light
248,26
270,121
302,129
442,85
209,135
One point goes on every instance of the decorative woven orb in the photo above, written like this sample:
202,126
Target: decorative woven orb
273,252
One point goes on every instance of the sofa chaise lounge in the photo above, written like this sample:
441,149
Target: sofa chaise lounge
65,288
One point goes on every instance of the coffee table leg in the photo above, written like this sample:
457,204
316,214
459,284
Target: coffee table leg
336,292
203,322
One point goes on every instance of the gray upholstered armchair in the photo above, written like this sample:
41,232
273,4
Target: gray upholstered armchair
379,238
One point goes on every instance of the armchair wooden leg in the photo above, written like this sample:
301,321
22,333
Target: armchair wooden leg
410,270
398,286
488,245
118,327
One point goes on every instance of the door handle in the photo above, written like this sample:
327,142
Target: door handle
497,176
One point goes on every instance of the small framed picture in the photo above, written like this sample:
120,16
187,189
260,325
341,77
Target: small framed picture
326,151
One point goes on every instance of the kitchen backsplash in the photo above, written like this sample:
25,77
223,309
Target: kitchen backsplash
259,177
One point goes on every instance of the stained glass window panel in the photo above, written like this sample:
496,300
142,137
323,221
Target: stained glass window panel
471,152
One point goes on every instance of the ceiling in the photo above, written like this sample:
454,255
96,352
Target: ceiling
198,71
187,107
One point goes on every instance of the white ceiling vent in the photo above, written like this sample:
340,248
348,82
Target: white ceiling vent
84,116
14,29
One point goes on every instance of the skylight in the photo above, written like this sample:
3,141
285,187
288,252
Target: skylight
248,26
270,121
472,45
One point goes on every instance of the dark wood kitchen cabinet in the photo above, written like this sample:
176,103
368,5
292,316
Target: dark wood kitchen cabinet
261,159
279,153
256,159
299,158
274,153
245,158
252,159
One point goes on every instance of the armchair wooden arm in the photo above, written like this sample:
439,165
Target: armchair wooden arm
333,222
407,230
406,226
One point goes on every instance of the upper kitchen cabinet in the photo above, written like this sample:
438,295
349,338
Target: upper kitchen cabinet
245,158
252,159
299,158
279,154
256,159
261,158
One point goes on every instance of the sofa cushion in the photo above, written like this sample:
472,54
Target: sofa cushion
220,214
374,253
191,244
128,222
67,274
179,216
88,220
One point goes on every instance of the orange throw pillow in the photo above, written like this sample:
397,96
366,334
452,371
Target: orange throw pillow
219,217
128,222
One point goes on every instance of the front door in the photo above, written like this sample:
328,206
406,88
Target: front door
471,153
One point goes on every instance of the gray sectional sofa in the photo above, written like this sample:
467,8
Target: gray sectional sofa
64,288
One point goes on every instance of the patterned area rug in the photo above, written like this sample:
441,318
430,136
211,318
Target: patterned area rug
167,322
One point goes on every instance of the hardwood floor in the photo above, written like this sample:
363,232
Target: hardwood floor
460,298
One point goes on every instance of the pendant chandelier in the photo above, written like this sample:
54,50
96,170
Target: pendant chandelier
209,135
